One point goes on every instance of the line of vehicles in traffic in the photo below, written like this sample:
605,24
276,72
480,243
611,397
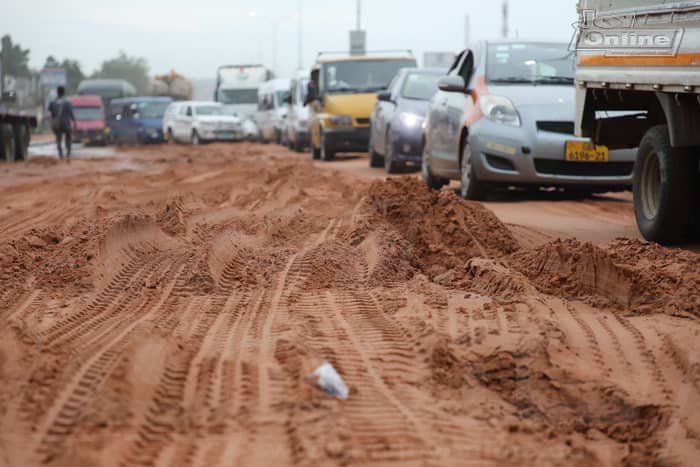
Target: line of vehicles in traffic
502,115
507,113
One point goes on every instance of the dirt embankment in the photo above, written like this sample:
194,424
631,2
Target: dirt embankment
167,313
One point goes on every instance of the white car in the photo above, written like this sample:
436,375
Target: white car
201,122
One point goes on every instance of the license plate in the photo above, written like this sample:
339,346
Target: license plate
584,151
225,135
86,140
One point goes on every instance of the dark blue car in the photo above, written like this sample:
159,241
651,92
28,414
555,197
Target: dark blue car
396,127
138,120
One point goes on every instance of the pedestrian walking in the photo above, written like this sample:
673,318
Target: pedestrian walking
62,121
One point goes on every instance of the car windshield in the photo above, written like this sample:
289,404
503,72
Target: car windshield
362,75
420,86
105,93
88,113
530,63
153,109
209,110
281,96
238,96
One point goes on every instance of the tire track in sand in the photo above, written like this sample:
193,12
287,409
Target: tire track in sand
72,399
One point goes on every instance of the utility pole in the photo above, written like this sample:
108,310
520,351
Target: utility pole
467,30
300,51
359,15
505,31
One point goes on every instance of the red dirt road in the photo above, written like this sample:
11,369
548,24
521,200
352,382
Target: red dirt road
164,307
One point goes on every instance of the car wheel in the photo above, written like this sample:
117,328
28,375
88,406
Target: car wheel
315,152
21,135
326,154
7,143
375,159
665,188
433,182
390,165
195,140
471,188
298,146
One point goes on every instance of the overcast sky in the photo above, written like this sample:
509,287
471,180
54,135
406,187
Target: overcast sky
196,36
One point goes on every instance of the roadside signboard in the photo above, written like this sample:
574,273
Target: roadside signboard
358,42
53,77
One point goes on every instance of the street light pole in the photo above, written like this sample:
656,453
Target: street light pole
300,57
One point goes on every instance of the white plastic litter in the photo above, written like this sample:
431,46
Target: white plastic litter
330,381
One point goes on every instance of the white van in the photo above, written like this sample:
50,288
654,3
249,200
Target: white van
272,109
298,114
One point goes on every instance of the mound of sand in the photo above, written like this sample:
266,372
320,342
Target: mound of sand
442,230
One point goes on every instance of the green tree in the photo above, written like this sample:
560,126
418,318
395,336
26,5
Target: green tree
74,75
132,69
15,59
51,62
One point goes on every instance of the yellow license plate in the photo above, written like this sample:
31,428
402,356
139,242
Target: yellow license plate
583,151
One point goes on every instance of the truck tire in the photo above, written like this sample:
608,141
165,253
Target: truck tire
664,191
7,143
21,135
433,182
327,155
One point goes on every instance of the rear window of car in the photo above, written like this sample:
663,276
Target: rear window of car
420,86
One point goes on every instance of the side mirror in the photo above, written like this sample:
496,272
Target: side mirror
452,84
384,96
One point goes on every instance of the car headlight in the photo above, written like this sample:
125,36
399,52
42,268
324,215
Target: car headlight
341,120
500,110
410,120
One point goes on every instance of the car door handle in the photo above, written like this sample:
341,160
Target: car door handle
443,103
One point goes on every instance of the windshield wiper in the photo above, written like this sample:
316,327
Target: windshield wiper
555,80
511,79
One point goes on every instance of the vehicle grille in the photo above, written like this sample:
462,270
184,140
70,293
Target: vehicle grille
362,121
584,169
566,128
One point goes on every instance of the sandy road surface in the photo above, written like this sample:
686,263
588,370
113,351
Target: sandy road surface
163,308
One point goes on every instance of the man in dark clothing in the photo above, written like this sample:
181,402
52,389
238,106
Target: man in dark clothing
62,121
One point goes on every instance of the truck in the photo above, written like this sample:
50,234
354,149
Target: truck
342,93
18,118
237,88
171,84
638,86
